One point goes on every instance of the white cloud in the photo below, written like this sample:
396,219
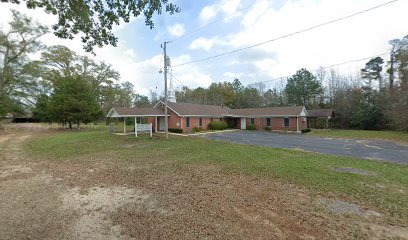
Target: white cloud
190,75
229,76
223,7
357,37
176,30
208,13
203,43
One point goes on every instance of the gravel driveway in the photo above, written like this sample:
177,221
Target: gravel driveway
367,149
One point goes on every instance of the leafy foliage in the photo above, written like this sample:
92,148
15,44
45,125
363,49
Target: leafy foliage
175,130
217,125
95,19
303,89
16,84
251,127
372,71
73,102
197,129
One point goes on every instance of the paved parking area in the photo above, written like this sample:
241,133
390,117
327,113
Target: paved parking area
367,149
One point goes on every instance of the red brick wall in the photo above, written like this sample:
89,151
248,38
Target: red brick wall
195,122
278,123
152,120
174,120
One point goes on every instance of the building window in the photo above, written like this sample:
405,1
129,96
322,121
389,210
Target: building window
212,119
252,120
188,122
268,122
201,122
286,122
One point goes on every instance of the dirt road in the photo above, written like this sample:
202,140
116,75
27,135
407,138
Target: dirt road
99,199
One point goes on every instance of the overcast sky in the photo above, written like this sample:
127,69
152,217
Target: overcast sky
138,56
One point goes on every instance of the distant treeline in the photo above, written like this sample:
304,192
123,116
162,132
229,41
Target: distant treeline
374,98
67,88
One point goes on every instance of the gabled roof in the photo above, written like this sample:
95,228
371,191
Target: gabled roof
134,112
321,113
270,111
192,109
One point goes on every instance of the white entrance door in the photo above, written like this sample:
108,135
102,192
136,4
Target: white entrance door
162,124
243,123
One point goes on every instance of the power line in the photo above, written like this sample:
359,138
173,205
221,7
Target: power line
290,34
177,79
216,21
325,67
330,66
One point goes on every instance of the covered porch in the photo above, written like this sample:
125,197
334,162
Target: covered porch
236,122
319,118
138,119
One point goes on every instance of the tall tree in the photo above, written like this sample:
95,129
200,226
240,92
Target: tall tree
72,102
141,101
372,72
22,38
303,88
94,19
61,62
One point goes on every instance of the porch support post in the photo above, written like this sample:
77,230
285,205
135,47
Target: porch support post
297,123
135,126
151,131
124,125
327,123
155,124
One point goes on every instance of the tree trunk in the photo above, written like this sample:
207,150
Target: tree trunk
391,71
4,72
70,124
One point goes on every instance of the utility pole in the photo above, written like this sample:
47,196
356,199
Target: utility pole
165,91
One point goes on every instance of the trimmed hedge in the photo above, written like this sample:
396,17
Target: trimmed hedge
217,125
197,129
306,130
251,127
267,128
175,130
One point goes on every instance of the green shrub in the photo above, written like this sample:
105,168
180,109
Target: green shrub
251,127
217,125
175,130
268,128
306,130
197,129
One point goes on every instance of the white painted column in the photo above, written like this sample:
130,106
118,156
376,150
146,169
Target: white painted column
124,125
327,123
151,131
155,123
297,123
135,126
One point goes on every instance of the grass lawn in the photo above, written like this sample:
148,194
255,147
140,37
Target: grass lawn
386,191
401,137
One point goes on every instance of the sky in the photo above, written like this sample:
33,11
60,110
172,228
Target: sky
206,28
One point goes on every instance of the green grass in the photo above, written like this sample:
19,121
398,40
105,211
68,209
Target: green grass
401,137
387,191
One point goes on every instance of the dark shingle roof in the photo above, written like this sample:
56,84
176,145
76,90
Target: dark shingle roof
192,109
198,109
321,113
135,111
268,111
